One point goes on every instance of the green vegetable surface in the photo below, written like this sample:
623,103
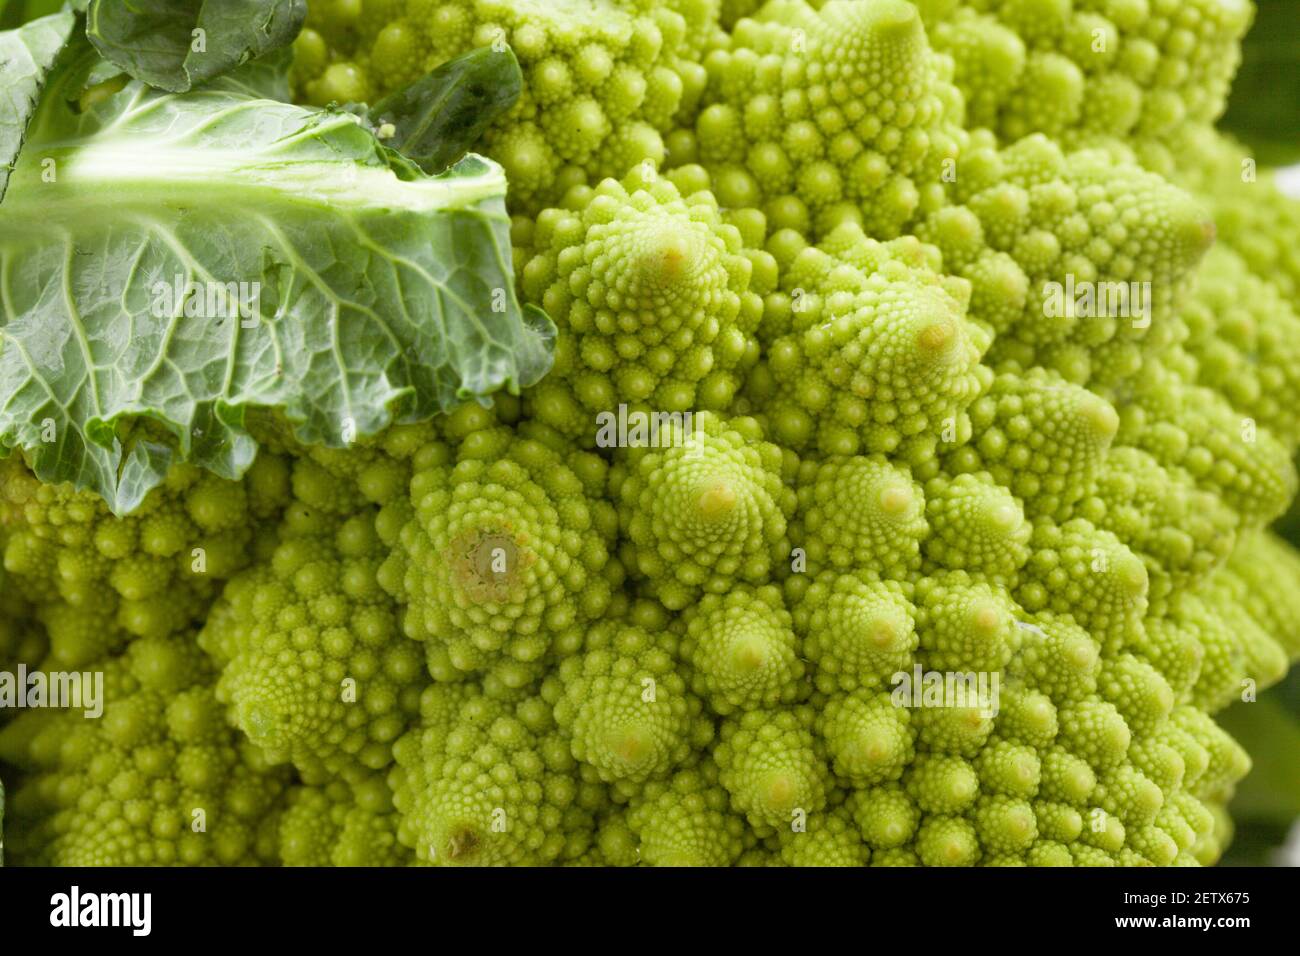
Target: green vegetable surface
925,385
114,211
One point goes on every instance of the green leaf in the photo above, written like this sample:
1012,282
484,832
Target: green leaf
26,57
102,72
371,292
266,78
178,44
437,119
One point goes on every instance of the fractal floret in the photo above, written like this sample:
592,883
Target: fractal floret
159,778
870,349
1083,70
653,292
921,388
817,118
500,554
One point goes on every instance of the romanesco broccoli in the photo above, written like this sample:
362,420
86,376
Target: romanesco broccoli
964,347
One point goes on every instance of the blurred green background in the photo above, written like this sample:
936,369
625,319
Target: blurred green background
1264,109
1266,808
1264,112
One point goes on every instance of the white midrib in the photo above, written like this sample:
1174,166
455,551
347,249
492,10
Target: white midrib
207,177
